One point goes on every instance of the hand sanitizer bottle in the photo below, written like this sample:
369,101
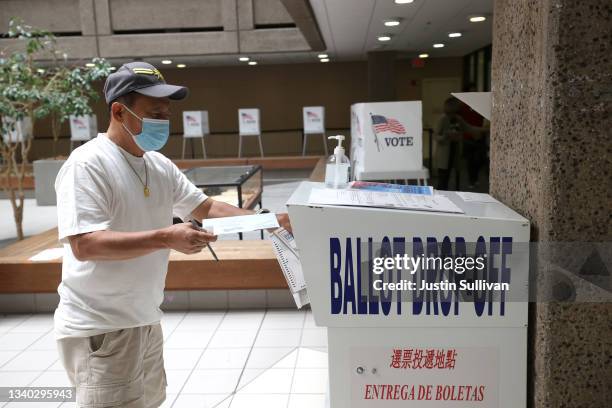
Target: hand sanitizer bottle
338,167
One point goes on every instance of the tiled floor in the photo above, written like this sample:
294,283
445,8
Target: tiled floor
225,359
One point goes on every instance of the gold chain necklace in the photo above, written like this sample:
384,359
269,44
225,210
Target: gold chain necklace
145,184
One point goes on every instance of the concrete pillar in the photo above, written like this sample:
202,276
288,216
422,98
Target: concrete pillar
88,20
246,20
381,76
103,17
551,160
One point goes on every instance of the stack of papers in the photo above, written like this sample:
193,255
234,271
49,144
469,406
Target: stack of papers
363,198
391,188
476,197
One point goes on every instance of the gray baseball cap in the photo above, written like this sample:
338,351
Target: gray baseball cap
143,78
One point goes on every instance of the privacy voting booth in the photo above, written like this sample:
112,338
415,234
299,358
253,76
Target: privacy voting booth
314,124
195,126
417,348
387,141
249,125
82,128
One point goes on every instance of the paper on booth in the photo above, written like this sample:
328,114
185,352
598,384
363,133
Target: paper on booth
48,255
476,197
402,201
241,223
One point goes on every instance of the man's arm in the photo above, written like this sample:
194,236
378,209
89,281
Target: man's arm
216,209
114,245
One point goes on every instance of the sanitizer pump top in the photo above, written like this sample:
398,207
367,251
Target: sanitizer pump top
337,170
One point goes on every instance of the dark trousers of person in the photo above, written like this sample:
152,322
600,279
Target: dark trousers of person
444,174
475,153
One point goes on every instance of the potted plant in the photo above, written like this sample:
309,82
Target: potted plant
29,92
68,91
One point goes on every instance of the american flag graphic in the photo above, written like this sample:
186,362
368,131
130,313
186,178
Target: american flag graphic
79,123
247,118
312,115
191,121
383,124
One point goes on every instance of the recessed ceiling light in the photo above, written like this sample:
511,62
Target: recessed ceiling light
166,62
392,23
454,35
252,62
384,38
244,59
403,1
90,65
324,60
181,65
440,45
477,19
322,56
423,55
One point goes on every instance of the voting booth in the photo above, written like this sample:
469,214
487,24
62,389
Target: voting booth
387,141
18,131
249,125
314,124
195,126
424,348
82,128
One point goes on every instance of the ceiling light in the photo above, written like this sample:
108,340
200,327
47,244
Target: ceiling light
384,38
113,68
323,56
392,23
423,55
403,1
324,59
166,62
40,71
252,62
439,45
181,65
90,65
454,35
477,19
244,59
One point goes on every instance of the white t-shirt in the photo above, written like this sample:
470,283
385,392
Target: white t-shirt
97,190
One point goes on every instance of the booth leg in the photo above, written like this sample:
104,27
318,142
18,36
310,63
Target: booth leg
305,137
325,144
260,146
239,146
203,148
183,151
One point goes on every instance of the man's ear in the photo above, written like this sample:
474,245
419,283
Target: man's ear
116,111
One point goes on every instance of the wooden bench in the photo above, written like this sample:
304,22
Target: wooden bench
242,265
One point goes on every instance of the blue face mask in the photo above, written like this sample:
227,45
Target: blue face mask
154,133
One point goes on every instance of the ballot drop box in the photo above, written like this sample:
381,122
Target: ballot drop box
423,347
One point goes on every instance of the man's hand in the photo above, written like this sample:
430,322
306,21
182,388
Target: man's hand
186,238
283,221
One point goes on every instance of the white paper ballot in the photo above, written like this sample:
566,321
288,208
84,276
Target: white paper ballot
362,198
241,223
288,257
476,197
48,255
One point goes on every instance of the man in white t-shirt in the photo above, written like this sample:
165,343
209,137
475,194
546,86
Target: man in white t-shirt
116,197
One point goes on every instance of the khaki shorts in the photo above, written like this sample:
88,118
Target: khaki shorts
123,368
